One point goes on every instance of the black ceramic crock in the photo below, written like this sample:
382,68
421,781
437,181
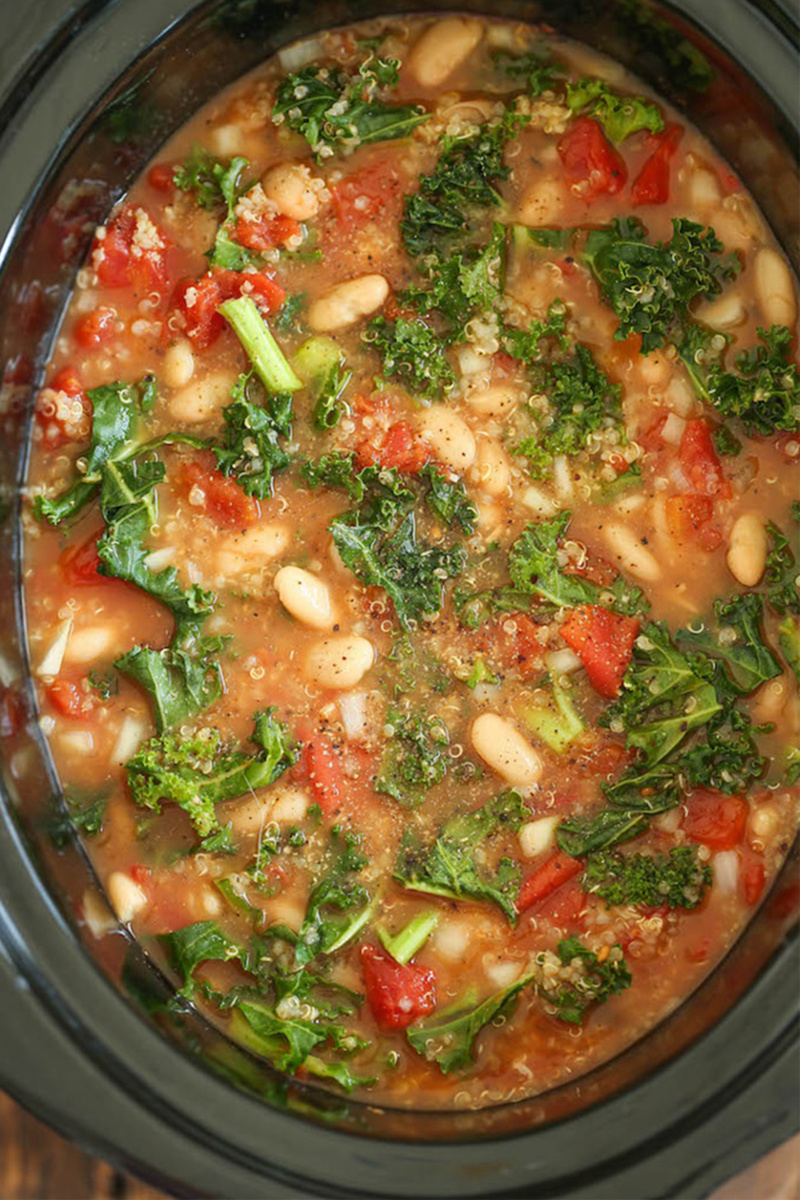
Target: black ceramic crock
87,93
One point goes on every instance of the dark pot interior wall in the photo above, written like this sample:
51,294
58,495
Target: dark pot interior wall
81,120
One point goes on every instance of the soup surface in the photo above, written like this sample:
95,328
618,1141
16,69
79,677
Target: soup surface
410,568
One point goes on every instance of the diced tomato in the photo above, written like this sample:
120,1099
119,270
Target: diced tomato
64,420
398,447
12,713
557,869
267,232
699,952
604,643
362,196
161,178
504,365
267,294
699,461
133,252
752,877
96,327
80,564
651,185
67,380
715,819
594,568
199,299
564,906
398,995
70,699
221,498
323,769
651,438
688,521
520,645
591,164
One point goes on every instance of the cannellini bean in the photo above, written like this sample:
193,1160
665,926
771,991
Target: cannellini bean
127,898
542,203
704,189
451,938
631,555
347,303
87,645
305,596
764,821
775,288
96,913
449,436
503,748
227,140
339,662
494,401
178,367
725,312
537,836
289,188
491,471
248,816
655,369
442,48
747,549
290,806
253,548
201,399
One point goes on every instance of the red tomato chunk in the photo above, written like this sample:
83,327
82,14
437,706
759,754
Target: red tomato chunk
397,995
651,185
715,819
604,643
557,869
591,164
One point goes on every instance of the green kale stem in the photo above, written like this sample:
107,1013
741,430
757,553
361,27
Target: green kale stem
404,945
260,346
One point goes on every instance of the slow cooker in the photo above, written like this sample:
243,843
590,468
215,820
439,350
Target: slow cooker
88,91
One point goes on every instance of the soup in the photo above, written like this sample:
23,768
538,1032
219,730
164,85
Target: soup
411,560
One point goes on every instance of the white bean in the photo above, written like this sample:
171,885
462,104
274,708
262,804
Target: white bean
347,303
289,188
725,312
449,436
305,596
491,471
704,190
537,836
253,548
202,399
539,502
442,48
227,140
127,898
290,806
339,662
248,816
764,821
89,644
178,366
96,913
775,288
747,549
542,203
494,401
503,748
631,555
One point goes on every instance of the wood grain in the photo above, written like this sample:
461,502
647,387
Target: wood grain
37,1164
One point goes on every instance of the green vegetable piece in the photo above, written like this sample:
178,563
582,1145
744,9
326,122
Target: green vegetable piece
286,1043
737,642
251,450
197,773
628,481
448,1041
194,944
73,817
415,757
597,981
182,679
532,68
413,354
620,116
677,879
260,346
449,500
449,867
581,835
525,344
552,717
320,364
480,673
209,181
789,637
765,394
324,929
412,937
782,574
339,1072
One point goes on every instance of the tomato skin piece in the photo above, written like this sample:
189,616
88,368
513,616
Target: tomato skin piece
591,164
161,178
119,262
557,869
323,768
199,299
66,696
399,447
521,649
688,519
699,461
752,878
266,233
651,185
223,500
564,906
363,195
96,327
397,995
715,819
604,643
80,565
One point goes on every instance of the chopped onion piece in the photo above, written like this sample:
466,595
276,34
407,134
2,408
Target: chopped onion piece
562,480
503,974
79,741
725,866
300,54
673,429
353,710
157,559
561,662
537,836
539,502
54,657
131,735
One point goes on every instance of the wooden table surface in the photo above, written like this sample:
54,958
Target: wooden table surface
37,1164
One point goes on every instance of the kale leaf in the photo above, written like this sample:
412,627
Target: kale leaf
332,108
763,392
251,452
651,285
449,867
782,571
447,1039
677,879
197,772
620,116
449,500
413,354
322,930
194,944
415,757
737,642
182,679
583,835
531,68
587,980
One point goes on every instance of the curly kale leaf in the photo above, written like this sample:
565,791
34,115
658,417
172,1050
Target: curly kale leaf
415,757
651,285
764,390
462,285
526,344
449,500
182,679
620,116
782,574
450,868
589,981
531,68
677,879
251,451
331,108
413,354
197,773
737,642
325,928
